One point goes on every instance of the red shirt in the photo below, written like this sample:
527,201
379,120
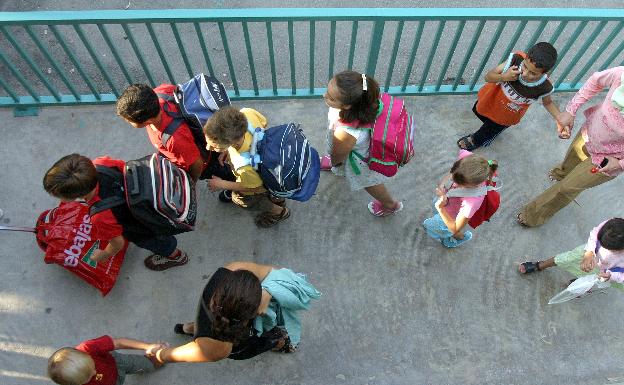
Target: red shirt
181,148
106,369
104,221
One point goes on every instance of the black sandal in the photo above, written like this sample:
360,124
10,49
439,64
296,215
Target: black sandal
530,267
179,329
467,143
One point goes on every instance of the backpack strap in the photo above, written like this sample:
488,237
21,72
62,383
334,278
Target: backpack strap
467,192
251,157
177,121
105,204
112,201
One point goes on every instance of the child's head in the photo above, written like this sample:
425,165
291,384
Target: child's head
611,234
73,176
472,170
541,58
345,92
138,104
225,128
68,366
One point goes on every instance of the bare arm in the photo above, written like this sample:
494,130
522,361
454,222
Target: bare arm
129,343
496,74
260,271
196,169
342,144
454,225
113,247
550,106
203,349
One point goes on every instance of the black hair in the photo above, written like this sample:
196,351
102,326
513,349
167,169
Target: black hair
364,104
543,55
138,103
611,234
234,303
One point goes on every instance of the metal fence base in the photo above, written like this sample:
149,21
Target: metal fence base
25,111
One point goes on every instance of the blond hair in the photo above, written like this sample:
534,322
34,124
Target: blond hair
472,170
69,366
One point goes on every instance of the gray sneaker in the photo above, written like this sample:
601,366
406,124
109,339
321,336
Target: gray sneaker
159,263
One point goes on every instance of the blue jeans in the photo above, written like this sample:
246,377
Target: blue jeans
163,245
437,230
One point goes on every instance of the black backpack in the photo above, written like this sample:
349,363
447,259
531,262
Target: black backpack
159,196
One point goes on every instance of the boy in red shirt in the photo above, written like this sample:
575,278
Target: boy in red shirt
94,362
74,177
140,106
510,89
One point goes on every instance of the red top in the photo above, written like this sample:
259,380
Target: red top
105,367
181,148
104,221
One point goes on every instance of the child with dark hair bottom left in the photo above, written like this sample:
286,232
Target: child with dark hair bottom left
94,362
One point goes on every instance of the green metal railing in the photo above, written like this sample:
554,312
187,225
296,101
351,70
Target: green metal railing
70,58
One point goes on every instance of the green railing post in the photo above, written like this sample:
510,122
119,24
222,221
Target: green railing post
312,48
375,45
414,50
395,50
434,47
354,29
161,54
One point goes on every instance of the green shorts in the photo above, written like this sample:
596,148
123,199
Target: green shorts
570,261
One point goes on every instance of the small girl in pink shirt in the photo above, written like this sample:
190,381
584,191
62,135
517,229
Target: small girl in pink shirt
604,249
459,195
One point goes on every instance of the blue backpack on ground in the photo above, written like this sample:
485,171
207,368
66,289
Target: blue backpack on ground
288,166
197,100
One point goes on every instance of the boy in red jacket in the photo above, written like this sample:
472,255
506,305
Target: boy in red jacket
74,177
94,362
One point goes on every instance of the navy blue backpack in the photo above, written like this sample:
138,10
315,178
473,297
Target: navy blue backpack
197,100
288,166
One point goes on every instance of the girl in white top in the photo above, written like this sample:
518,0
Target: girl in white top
604,250
353,99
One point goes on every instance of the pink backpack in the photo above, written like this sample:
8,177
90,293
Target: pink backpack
392,144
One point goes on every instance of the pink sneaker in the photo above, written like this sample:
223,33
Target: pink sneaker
376,208
326,163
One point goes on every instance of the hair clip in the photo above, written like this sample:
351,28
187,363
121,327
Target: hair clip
364,83
490,161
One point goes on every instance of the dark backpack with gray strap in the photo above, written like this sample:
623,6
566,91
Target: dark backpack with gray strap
197,100
160,195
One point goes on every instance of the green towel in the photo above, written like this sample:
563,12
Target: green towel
291,292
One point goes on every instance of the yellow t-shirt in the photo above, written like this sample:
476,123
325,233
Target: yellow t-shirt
246,175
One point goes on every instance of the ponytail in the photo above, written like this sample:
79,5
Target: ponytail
492,166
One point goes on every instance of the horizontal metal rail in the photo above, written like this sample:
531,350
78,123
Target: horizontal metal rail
89,57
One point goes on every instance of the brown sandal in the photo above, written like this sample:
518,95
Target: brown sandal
267,219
